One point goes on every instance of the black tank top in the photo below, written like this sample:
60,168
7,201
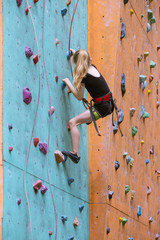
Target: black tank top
96,86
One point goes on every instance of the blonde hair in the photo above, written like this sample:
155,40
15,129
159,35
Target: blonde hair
82,60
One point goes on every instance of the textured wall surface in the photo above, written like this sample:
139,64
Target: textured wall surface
19,72
113,57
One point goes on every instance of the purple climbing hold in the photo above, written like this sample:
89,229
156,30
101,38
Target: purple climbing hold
19,2
43,147
44,189
28,52
27,96
19,201
10,126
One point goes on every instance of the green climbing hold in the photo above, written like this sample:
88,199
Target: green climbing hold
142,16
124,221
127,188
125,154
139,151
152,20
152,64
146,115
134,131
148,27
142,78
150,14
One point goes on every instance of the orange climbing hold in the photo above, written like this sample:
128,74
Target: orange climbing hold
36,58
27,10
37,185
59,156
35,141
52,111
68,2
151,78
76,222
158,47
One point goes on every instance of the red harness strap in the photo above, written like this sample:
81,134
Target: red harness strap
106,97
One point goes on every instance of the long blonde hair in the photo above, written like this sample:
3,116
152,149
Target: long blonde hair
82,60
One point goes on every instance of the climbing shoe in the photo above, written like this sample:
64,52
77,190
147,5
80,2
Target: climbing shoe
72,156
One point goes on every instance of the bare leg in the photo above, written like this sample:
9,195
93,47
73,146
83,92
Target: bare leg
84,117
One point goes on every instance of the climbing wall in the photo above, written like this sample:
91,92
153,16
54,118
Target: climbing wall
114,56
20,72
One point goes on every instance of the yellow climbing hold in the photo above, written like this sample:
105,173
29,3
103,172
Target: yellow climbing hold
142,141
139,58
120,219
131,11
132,194
149,91
146,54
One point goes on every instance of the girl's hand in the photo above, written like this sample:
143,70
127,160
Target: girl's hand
72,50
66,81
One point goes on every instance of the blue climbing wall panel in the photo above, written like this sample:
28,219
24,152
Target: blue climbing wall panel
19,72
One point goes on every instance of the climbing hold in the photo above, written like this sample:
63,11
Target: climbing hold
150,14
139,58
64,218
81,207
151,77
76,222
149,91
158,47
57,41
139,151
51,111
64,11
142,16
139,210
43,189
130,238
128,159
10,126
35,141
145,115
131,11
10,148
144,84
115,127
35,1
50,233
150,219
151,150
133,194
19,2
148,190
68,2
37,185
152,64
147,161
70,180
18,201
28,52
123,87
125,1
71,238
123,29
158,173
108,230
63,85
56,77
148,27
43,147
142,142
146,54
117,165
142,111
27,10
120,116
158,212
142,78
27,96
110,194
131,162
36,58
157,236
132,111
59,156
152,20
69,54
123,220
125,154
127,189
134,131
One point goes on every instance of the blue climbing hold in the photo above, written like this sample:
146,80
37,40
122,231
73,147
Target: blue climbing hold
108,230
139,210
64,218
123,29
130,238
110,194
120,116
144,84
63,85
117,165
69,54
64,11
123,87
71,238
148,27
128,159
142,111
70,180
81,207
115,127
147,161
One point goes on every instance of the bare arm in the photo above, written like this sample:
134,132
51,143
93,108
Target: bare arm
77,93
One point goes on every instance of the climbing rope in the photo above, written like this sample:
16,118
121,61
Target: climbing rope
35,118
49,130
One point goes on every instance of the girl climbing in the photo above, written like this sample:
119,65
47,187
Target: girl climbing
86,76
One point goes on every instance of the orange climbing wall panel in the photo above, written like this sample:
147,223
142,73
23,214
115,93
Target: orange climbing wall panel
1,113
113,57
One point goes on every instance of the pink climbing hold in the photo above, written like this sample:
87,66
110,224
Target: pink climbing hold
56,77
43,189
27,96
10,148
27,10
36,58
10,126
28,52
76,222
18,201
37,185
52,111
19,2
50,233
43,147
57,41
35,141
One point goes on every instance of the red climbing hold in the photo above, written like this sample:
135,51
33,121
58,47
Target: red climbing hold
37,185
36,58
10,149
57,41
35,141
56,77
27,10
52,111
50,233
76,222
19,2
68,2
35,1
